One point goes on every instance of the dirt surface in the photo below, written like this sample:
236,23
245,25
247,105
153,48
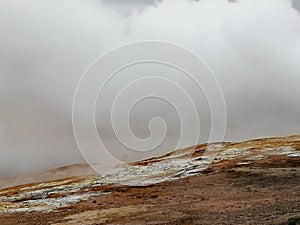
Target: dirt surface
266,191
58,173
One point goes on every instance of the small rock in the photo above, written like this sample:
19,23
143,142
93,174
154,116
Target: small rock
294,220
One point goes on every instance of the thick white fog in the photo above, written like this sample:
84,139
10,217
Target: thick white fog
253,47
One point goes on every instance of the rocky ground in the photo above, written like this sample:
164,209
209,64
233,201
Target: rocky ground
253,182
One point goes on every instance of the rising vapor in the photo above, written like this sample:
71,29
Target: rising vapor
253,47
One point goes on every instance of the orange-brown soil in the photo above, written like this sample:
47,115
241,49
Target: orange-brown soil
266,191
240,195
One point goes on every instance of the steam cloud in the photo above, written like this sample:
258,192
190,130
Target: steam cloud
253,46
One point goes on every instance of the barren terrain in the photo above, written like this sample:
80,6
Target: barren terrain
253,182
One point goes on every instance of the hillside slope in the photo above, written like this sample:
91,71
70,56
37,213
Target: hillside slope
252,182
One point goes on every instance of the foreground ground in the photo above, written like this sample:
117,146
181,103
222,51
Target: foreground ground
250,186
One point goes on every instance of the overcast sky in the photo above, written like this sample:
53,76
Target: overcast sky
252,46
296,4
127,5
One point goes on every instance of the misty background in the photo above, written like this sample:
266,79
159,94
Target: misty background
253,46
